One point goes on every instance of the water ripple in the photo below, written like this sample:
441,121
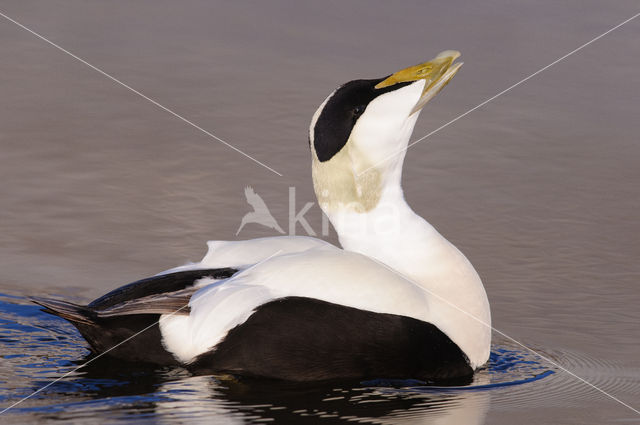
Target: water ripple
37,348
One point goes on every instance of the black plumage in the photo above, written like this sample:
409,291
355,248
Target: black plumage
305,339
335,123
127,318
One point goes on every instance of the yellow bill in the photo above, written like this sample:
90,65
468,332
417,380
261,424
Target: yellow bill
436,73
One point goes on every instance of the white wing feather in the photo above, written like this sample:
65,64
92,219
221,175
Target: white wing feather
243,254
285,266
326,273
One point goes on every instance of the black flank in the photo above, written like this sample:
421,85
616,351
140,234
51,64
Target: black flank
303,339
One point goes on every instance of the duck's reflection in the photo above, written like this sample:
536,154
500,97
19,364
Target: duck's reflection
242,402
179,396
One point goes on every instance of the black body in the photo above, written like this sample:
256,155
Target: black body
304,339
294,338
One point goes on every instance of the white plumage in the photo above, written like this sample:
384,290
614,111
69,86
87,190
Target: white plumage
322,272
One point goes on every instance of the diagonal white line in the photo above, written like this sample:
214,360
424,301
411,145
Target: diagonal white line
164,108
482,322
395,154
480,105
162,317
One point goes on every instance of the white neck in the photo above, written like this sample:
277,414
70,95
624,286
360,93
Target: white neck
395,235
391,233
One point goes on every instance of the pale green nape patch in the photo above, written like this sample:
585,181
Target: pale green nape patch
347,182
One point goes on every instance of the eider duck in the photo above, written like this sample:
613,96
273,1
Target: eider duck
397,302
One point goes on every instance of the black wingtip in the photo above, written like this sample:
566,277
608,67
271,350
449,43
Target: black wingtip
69,311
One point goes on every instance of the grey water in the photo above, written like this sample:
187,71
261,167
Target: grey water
540,188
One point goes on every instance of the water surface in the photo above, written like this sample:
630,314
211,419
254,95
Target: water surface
539,188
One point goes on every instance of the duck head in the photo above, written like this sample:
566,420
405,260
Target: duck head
359,134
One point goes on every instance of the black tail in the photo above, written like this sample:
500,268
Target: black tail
125,322
131,337
72,312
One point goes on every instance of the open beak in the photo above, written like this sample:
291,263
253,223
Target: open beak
436,73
